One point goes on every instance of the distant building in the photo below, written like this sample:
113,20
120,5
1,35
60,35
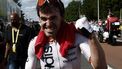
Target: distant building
3,9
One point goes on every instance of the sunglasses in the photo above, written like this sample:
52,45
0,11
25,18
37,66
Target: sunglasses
42,2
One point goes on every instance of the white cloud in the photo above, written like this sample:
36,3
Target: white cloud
29,8
66,2
26,1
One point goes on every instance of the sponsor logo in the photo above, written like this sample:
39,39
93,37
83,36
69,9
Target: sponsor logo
48,57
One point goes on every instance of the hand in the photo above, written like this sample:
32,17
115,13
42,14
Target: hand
85,32
83,26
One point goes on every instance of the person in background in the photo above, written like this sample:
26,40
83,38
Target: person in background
2,51
59,45
110,19
18,36
112,28
1,25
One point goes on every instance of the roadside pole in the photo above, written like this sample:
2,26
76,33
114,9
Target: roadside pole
121,21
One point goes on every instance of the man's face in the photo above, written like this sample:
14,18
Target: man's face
14,20
50,22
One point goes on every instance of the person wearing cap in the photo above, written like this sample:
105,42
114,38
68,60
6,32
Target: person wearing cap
18,36
59,45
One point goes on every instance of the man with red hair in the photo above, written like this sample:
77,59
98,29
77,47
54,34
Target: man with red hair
59,44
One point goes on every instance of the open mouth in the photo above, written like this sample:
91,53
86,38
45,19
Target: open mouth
51,27
50,32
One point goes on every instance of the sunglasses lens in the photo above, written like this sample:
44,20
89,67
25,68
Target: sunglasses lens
41,2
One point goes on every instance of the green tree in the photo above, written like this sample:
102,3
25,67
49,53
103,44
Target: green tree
89,8
71,12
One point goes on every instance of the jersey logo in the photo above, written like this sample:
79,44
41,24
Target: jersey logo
48,57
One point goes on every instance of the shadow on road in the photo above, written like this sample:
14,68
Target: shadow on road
118,44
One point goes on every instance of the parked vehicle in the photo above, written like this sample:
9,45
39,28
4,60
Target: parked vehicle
114,32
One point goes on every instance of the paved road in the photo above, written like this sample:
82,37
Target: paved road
113,54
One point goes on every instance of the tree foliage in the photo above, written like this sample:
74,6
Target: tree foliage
89,8
72,11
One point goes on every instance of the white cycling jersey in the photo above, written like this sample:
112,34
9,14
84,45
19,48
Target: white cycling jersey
52,58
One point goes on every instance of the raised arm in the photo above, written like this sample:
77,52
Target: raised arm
97,58
92,49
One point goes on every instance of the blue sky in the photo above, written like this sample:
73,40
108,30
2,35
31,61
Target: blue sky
28,7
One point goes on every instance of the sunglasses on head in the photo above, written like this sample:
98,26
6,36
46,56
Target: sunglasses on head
42,2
